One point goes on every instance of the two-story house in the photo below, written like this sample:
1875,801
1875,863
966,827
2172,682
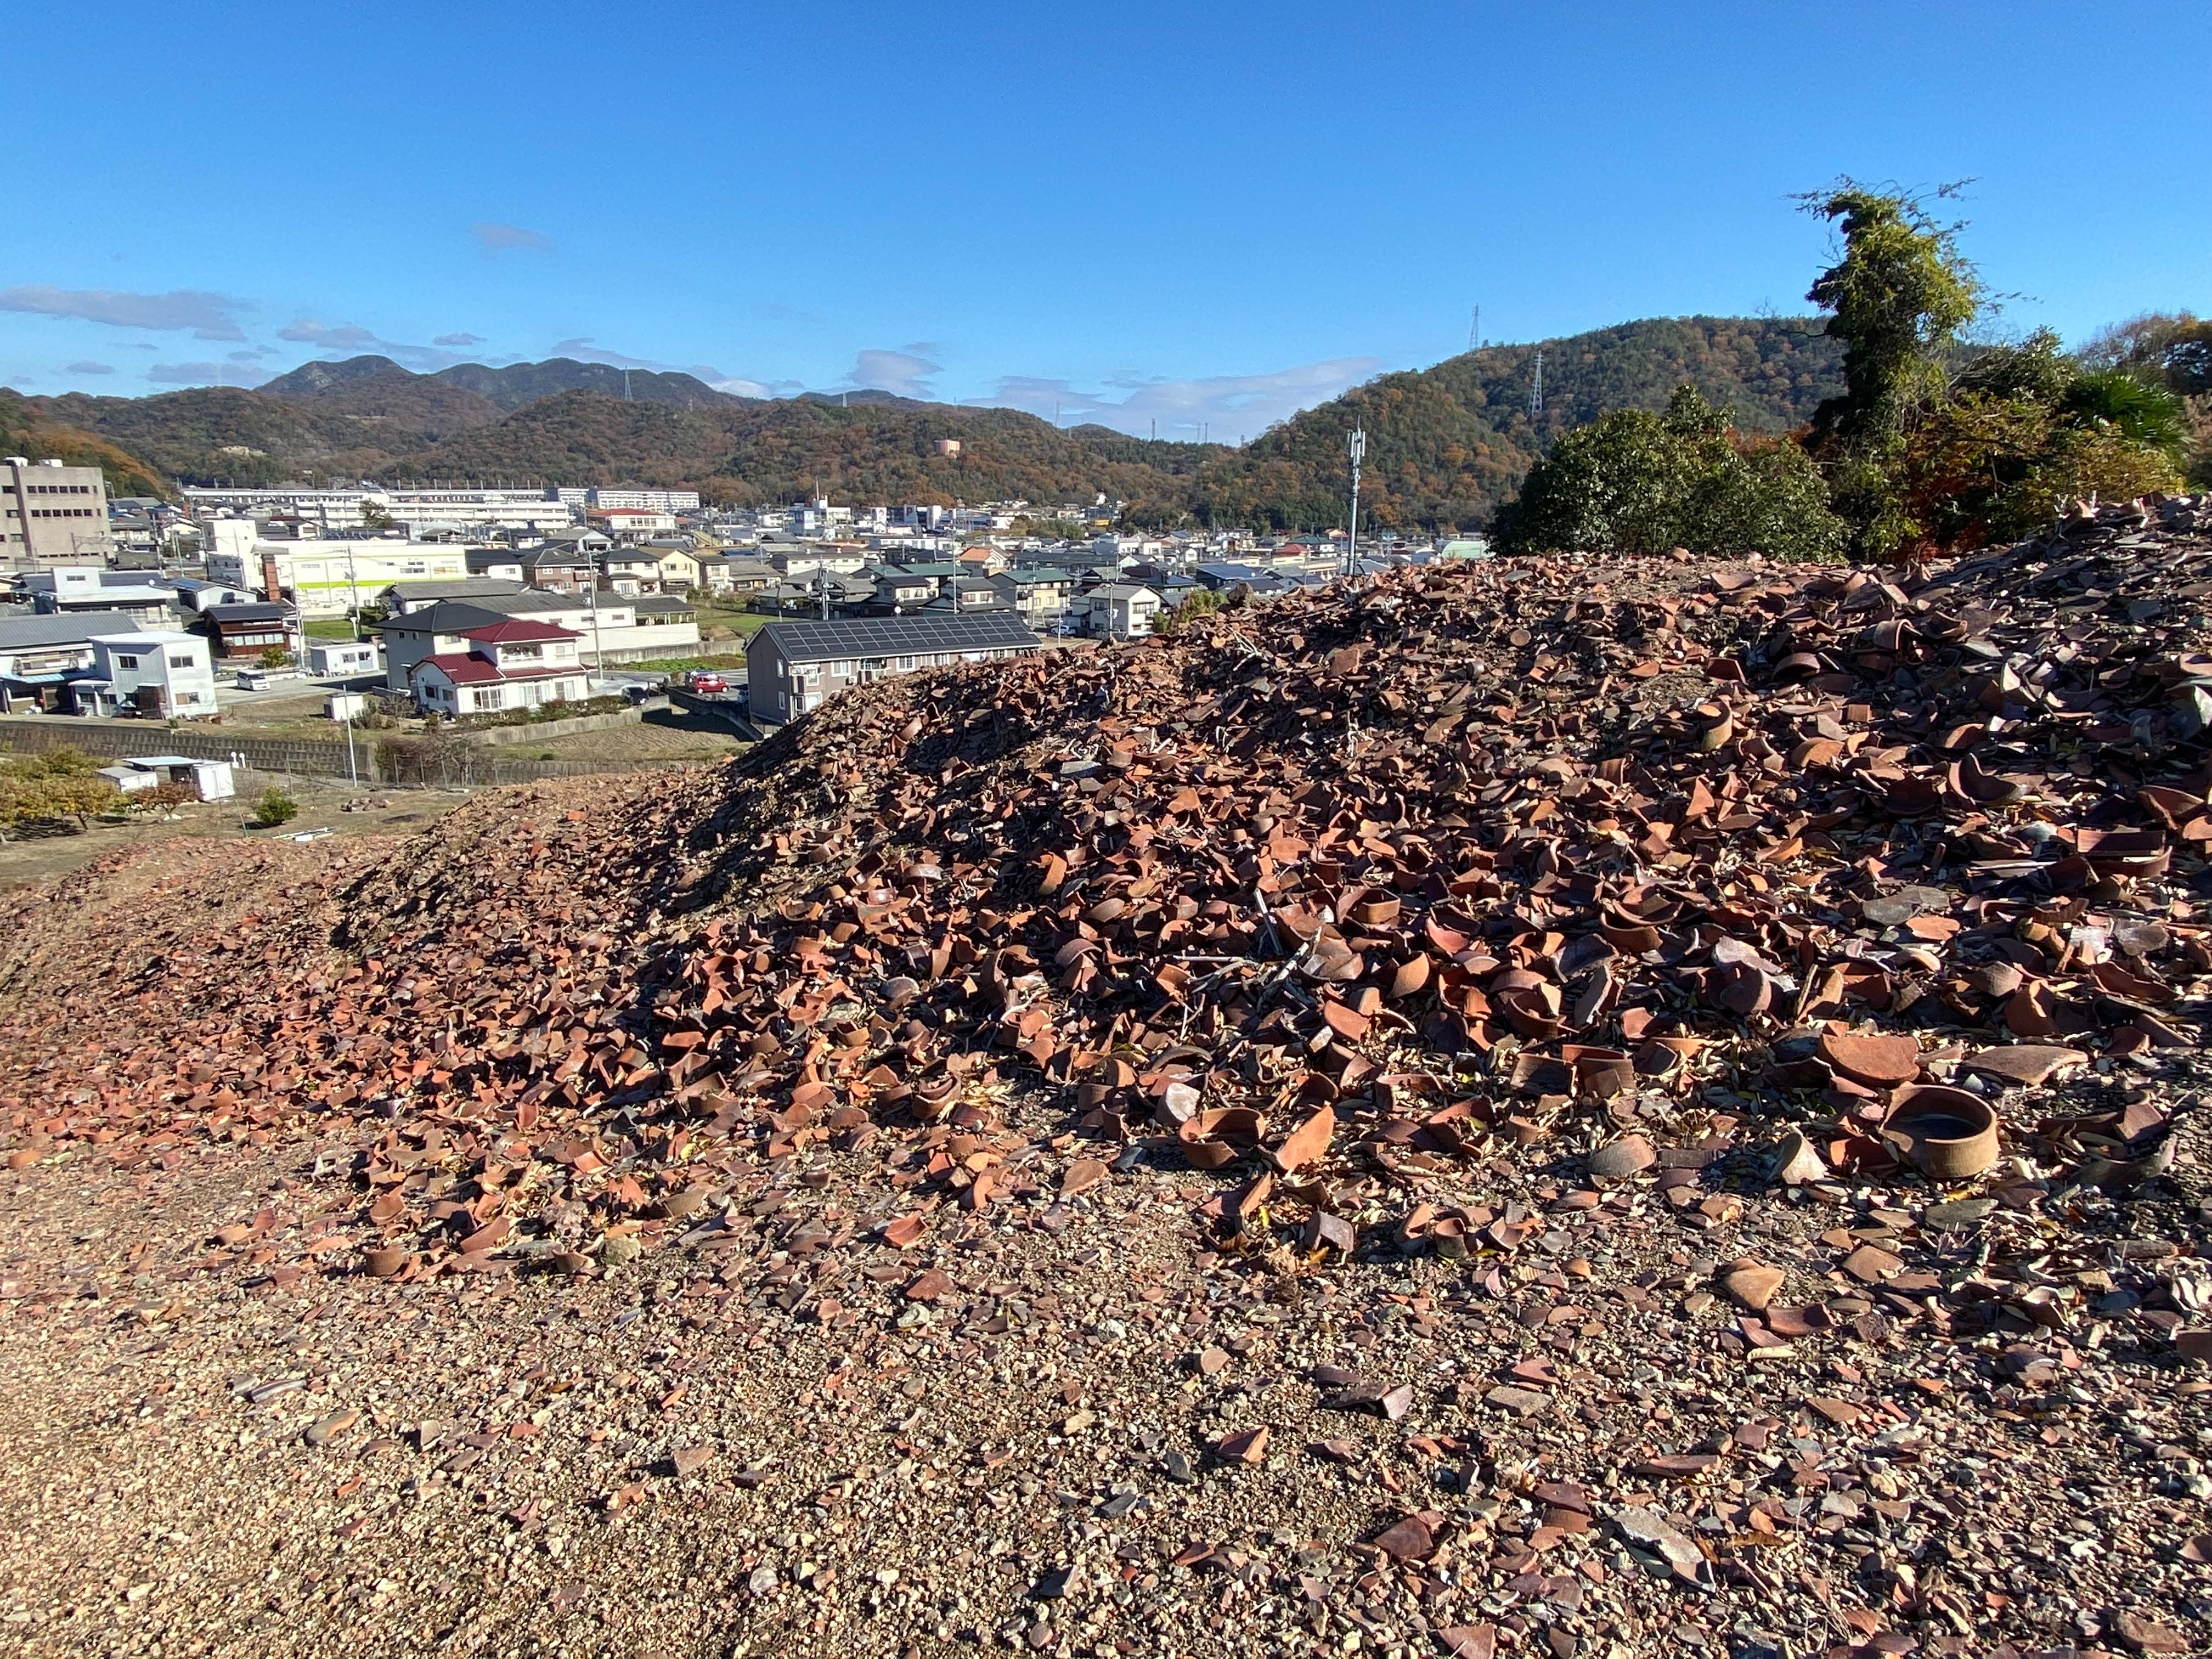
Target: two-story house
1039,596
509,664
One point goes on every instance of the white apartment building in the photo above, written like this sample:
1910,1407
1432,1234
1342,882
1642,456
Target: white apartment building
351,509
331,578
660,501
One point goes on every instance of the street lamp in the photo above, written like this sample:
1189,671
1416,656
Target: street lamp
1357,445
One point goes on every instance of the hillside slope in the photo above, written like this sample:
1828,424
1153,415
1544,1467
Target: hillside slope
1446,444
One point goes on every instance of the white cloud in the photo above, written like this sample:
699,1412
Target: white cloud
458,340
903,373
352,340
208,315
346,337
1226,407
189,373
584,351
496,238
87,366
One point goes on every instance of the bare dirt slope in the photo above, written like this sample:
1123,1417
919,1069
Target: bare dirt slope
1364,1128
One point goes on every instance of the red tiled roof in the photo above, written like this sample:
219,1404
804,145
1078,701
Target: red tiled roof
515,631
476,671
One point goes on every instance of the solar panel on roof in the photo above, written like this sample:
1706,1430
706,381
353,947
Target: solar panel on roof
887,635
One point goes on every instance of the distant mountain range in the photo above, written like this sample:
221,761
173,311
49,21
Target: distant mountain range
1446,444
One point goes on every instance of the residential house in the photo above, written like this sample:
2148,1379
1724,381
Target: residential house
981,560
244,631
1039,596
610,626
37,655
507,664
193,594
792,667
723,573
680,564
62,589
156,673
1222,577
495,561
344,658
630,570
898,589
1121,610
402,598
968,596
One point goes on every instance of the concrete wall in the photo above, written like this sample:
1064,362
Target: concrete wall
380,758
540,730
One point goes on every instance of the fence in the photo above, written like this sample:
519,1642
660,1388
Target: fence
395,761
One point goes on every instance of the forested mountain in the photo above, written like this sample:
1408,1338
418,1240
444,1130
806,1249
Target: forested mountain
27,432
1445,445
763,454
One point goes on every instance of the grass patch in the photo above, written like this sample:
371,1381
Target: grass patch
328,628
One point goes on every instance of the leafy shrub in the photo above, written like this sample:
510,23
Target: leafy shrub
275,807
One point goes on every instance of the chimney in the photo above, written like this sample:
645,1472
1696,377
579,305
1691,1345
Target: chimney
269,590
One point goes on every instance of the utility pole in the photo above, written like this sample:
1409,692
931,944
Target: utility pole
1357,445
592,589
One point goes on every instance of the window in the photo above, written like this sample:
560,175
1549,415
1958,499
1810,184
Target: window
183,659
126,662
905,664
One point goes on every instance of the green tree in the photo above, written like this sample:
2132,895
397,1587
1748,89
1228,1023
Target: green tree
1634,482
2025,429
275,807
1897,298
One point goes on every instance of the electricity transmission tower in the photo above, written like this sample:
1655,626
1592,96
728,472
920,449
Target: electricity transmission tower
1475,330
1536,390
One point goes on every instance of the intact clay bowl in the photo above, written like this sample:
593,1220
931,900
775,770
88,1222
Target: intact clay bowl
1948,1134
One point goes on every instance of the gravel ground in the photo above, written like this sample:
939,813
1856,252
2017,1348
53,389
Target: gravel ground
762,1442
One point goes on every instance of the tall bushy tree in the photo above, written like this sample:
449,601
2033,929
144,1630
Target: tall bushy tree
1897,298
1634,482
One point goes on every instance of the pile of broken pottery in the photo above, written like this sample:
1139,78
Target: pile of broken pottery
1744,1016
1332,900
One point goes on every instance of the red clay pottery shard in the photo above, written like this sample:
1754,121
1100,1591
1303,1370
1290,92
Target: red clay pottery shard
1309,1141
1879,1061
2026,1064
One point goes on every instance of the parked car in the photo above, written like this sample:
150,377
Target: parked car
705,680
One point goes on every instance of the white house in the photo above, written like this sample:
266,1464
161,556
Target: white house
1121,610
331,658
509,664
158,673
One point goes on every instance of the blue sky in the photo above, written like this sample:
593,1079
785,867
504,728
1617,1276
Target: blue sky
1183,215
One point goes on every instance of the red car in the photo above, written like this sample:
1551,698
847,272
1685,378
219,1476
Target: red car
701,679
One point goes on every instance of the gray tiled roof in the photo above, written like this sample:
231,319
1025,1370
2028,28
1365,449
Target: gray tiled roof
28,633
